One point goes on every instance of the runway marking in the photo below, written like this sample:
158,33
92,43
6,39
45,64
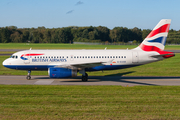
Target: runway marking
43,82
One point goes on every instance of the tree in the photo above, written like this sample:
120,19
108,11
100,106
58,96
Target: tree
145,33
5,35
103,33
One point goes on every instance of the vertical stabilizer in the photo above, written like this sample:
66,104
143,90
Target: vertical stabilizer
156,40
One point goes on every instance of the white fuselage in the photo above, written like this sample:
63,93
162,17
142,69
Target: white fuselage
111,59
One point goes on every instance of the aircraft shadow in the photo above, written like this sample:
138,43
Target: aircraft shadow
115,78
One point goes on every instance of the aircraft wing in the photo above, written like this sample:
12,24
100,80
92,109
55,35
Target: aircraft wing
88,65
84,64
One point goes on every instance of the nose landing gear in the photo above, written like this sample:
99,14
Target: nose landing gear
29,75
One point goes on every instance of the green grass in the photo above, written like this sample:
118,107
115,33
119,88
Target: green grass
167,67
60,46
72,46
89,102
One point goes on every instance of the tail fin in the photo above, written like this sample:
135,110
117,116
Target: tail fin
156,40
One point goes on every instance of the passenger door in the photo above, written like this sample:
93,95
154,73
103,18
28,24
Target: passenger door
135,58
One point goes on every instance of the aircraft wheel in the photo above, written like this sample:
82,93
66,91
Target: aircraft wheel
28,77
85,78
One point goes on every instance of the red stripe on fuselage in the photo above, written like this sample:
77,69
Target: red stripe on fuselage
31,54
162,29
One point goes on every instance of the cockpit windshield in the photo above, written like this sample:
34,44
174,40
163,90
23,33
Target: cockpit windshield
14,57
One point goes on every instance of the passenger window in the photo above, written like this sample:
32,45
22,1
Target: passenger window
113,56
110,56
102,56
85,56
74,56
124,56
96,56
67,56
88,56
77,56
62,56
121,56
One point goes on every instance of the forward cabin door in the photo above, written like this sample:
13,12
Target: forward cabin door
135,58
26,58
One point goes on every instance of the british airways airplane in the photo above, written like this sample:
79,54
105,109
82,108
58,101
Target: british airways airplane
67,63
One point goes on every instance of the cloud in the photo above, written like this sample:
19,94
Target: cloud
69,11
79,3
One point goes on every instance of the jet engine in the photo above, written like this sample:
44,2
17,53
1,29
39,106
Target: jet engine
61,73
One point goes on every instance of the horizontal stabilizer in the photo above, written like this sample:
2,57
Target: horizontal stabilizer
164,54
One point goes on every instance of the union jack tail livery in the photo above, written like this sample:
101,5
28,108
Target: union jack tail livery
156,39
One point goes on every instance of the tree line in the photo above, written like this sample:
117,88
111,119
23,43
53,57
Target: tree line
12,34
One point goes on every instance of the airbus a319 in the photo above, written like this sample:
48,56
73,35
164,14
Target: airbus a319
67,63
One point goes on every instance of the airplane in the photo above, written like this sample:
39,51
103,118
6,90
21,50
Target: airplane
67,63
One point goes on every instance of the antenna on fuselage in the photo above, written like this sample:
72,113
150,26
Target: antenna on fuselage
105,48
30,48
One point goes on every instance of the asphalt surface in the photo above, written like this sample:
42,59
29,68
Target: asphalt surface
93,80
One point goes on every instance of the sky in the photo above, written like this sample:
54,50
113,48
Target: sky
144,14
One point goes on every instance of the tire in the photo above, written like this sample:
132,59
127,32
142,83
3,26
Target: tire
84,79
28,77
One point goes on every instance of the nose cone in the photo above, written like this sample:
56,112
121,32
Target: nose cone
4,62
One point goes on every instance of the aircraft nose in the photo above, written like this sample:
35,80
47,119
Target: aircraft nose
5,62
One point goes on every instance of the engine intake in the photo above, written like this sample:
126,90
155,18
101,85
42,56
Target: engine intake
61,73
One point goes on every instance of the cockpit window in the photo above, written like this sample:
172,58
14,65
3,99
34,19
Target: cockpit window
14,57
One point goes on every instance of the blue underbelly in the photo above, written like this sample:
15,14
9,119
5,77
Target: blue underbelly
45,67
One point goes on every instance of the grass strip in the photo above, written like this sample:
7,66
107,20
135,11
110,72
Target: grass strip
72,46
89,102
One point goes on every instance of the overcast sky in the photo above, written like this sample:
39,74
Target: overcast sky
144,14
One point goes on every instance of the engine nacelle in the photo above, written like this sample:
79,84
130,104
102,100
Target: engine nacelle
61,73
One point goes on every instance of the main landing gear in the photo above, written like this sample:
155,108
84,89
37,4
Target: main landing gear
84,75
29,75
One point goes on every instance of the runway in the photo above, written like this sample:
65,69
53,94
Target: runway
93,80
